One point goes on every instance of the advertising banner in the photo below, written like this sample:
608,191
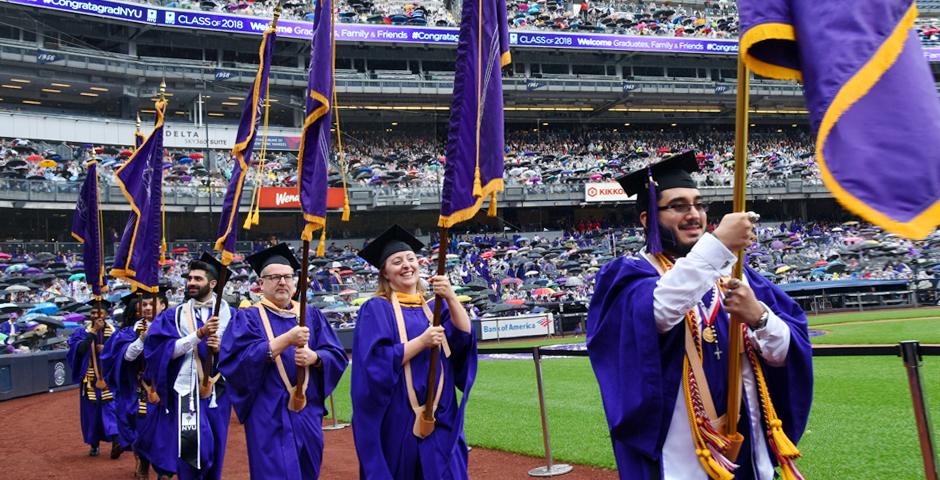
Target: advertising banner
605,192
371,33
289,198
536,325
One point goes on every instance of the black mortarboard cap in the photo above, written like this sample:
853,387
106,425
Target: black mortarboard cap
647,183
161,293
209,263
390,242
105,304
672,172
126,299
279,254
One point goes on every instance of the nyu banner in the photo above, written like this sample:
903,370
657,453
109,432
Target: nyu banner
351,32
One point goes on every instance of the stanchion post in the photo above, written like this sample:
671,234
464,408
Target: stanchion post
335,425
550,469
910,353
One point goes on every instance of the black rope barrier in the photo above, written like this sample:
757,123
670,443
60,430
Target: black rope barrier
818,351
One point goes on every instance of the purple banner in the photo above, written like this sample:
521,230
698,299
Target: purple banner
368,33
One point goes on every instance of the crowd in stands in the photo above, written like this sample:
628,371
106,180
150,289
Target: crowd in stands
495,274
539,160
64,165
709,19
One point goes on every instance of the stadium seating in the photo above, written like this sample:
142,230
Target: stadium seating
716,19
533,159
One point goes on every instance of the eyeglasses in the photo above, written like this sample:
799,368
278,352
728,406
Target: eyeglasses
278,278
684,208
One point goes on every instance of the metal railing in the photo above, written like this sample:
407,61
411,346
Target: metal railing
910,351
426,197
67,192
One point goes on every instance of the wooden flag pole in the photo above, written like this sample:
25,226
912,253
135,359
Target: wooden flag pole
210,377
735,338
426,424
99,382
299,399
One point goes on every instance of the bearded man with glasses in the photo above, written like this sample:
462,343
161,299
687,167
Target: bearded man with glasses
191,426
261,355
658,329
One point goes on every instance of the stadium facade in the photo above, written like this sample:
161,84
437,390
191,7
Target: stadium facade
80,71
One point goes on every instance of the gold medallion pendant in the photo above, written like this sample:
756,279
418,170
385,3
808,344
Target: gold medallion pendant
708,334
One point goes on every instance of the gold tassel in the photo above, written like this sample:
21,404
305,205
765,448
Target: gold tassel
321,248
255,206
339,138
782,446
785,447
251,218
712,468
477,185
251,208
307,233
491,212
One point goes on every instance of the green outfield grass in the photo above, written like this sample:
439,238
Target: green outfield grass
925,331
832,318
861,425
533,343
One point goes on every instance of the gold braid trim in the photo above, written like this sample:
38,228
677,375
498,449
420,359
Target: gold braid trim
784,449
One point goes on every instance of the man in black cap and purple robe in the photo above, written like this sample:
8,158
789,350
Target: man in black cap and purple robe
95,396
262,352
658,329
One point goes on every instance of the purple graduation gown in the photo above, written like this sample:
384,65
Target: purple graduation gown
640,371
281,444
8,329
383,419
158,437
220,416
96,410
121,376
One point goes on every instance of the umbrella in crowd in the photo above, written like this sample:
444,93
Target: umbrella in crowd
495,275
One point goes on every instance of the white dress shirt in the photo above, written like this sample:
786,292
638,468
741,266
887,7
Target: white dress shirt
677,292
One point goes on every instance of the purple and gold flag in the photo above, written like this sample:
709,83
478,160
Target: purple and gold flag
313,159
137,259
86,228
475,142
244,144
871,98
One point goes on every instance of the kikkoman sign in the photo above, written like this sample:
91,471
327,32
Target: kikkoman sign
605,192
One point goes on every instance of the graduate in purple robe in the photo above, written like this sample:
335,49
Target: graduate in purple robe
179,438
262,351
391,357
203,284
9,329
123,363
643,309
95,398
